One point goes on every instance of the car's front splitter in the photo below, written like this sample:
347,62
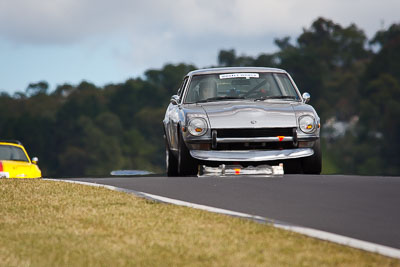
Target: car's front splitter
251,155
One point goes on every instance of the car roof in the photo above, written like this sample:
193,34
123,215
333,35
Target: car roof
11,142
233,69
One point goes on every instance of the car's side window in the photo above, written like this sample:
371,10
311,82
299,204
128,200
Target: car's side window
193,93
193,90
286,85
182,87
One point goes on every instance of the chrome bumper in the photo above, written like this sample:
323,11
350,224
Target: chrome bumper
251,155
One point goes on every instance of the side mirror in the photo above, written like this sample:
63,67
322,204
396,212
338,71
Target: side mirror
306,98
35,160
175,99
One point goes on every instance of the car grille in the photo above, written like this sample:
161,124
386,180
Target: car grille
250,133
261,132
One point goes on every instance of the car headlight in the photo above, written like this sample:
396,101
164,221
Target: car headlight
197,126
307,124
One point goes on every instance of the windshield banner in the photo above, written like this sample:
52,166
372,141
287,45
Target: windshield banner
239,75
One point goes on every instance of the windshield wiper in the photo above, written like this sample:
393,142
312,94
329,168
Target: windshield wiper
275,97
220,98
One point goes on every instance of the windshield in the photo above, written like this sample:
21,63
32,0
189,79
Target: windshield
228,86
12,153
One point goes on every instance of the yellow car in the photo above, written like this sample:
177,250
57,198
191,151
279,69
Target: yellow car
15,162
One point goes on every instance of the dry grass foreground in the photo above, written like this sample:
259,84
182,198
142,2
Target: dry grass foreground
45,223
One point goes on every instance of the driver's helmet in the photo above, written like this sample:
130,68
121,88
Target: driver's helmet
207,89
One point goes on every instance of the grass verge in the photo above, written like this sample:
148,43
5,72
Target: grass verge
45,223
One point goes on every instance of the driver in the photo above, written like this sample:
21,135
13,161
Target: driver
207,89
266,90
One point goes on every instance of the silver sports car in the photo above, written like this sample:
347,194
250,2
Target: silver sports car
246,116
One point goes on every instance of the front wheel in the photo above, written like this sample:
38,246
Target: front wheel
187,165
171,163
313,164
293,166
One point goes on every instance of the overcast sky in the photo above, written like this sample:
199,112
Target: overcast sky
104,41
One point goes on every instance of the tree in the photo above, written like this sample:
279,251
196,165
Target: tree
227,58
378,127
169,77
37,88
387,60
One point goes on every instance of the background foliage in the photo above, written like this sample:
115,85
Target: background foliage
354,83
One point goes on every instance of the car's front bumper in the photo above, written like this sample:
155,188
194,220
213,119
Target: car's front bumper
251,155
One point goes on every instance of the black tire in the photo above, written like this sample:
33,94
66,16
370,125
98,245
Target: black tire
171,163
186,164
293,166
313,164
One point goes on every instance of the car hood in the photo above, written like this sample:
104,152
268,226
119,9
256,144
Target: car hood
250,114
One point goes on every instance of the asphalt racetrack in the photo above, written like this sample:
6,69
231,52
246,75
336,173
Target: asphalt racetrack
365,208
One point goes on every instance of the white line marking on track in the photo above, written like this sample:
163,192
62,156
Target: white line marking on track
335,238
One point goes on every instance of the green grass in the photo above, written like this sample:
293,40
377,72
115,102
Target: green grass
45,223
